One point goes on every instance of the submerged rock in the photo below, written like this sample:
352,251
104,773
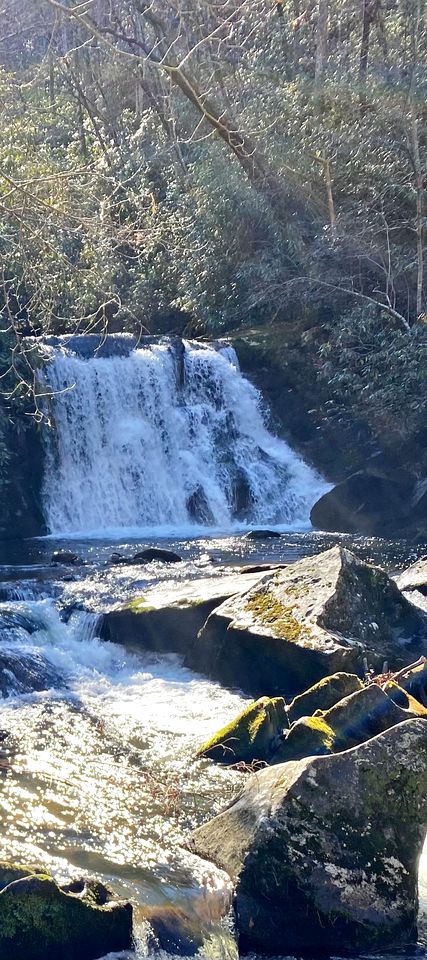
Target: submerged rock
152,554
173,931
323,695
262,535
39,920
324,851
67,558
316,617
250,736
353,720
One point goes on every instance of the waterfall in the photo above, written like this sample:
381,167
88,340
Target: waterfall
162,436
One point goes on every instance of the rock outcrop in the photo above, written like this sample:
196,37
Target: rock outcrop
324,851
38,919
250,736
314,618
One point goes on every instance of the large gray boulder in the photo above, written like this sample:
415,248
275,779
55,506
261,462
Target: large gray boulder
314,618
368,502
324,851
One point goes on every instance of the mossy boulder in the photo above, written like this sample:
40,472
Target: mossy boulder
323,695
250,736
353,720
414,680
319,616
324,851
38,920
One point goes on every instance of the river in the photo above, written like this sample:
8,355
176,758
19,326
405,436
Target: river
98,771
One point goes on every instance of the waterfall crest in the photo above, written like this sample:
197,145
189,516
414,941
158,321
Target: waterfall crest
161,437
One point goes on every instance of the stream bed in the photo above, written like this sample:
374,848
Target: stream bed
97,767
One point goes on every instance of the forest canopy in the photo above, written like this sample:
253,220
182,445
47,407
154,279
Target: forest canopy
220,165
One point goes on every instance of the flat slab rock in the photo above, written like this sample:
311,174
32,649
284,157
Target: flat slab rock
168,617
415,577
323,858
316,617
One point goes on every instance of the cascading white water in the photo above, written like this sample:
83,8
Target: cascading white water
159,439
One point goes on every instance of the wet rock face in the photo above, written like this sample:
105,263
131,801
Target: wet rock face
25,672
198,507
38,919
324,851
171,930
314,618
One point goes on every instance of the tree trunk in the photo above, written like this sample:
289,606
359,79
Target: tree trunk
419,205
364,52
321,44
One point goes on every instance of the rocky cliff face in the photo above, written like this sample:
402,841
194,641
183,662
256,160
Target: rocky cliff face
21,479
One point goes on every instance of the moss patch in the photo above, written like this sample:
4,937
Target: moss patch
139,605
268,610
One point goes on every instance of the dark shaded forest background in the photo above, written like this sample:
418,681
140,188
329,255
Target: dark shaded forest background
238,168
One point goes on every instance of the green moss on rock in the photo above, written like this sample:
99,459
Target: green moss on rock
404,699
267,609
250,736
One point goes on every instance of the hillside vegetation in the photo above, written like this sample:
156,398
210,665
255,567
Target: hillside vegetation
217,167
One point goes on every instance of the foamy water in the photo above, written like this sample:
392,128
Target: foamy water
99,776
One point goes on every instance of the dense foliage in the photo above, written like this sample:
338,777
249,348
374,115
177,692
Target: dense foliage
217,164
